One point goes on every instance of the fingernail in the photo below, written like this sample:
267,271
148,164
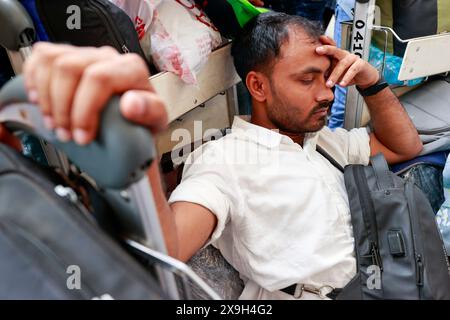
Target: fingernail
134,103
33,96
319,49
49,123
329,83
342,83
80,136
63,134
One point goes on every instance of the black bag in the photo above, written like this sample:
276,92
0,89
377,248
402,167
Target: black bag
395,233
47,239
102,23
6,71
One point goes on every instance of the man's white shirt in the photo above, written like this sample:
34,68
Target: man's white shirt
282,209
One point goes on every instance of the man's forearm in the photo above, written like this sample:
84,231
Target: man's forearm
166,216
392,125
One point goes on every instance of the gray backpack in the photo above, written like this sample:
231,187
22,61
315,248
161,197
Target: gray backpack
399,250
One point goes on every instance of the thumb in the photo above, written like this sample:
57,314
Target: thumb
145,108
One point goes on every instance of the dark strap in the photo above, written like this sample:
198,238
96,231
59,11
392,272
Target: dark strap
329,158
381,169
290,290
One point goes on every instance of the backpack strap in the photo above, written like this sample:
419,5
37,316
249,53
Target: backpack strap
381,169
329,158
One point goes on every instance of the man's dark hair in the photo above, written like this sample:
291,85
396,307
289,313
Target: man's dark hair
260,41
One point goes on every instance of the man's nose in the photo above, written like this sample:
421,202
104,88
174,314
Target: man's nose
324,94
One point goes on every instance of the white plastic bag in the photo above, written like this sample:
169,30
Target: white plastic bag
182,38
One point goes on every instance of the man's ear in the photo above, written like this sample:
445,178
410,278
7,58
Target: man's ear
257,84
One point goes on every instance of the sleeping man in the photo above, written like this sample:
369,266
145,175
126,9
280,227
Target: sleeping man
277,210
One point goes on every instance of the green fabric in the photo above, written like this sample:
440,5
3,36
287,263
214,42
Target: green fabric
245,11
387,20
443,16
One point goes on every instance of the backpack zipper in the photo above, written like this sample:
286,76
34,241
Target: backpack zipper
119,40
369,218
419,270
415,226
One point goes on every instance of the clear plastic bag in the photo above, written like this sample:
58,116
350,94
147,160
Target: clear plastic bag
182,38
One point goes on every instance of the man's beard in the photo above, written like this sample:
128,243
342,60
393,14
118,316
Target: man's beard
289,119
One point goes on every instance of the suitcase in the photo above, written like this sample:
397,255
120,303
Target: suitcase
428,107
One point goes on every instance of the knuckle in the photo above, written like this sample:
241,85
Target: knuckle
64,65
43,54
355,57
350,58
95,74
108,50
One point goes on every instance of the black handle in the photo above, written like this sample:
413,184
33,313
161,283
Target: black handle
16,27
119,156
381,169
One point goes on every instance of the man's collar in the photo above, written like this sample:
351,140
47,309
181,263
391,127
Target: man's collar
267,137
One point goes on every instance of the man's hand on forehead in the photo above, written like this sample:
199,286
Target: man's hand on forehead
346,68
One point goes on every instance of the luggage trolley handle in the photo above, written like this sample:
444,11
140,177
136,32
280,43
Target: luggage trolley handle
119,156
117,159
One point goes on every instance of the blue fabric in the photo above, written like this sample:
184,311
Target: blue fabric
336,119
392,67
426,172
30,6
429,179
436,159
32,148
312,9
443,214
